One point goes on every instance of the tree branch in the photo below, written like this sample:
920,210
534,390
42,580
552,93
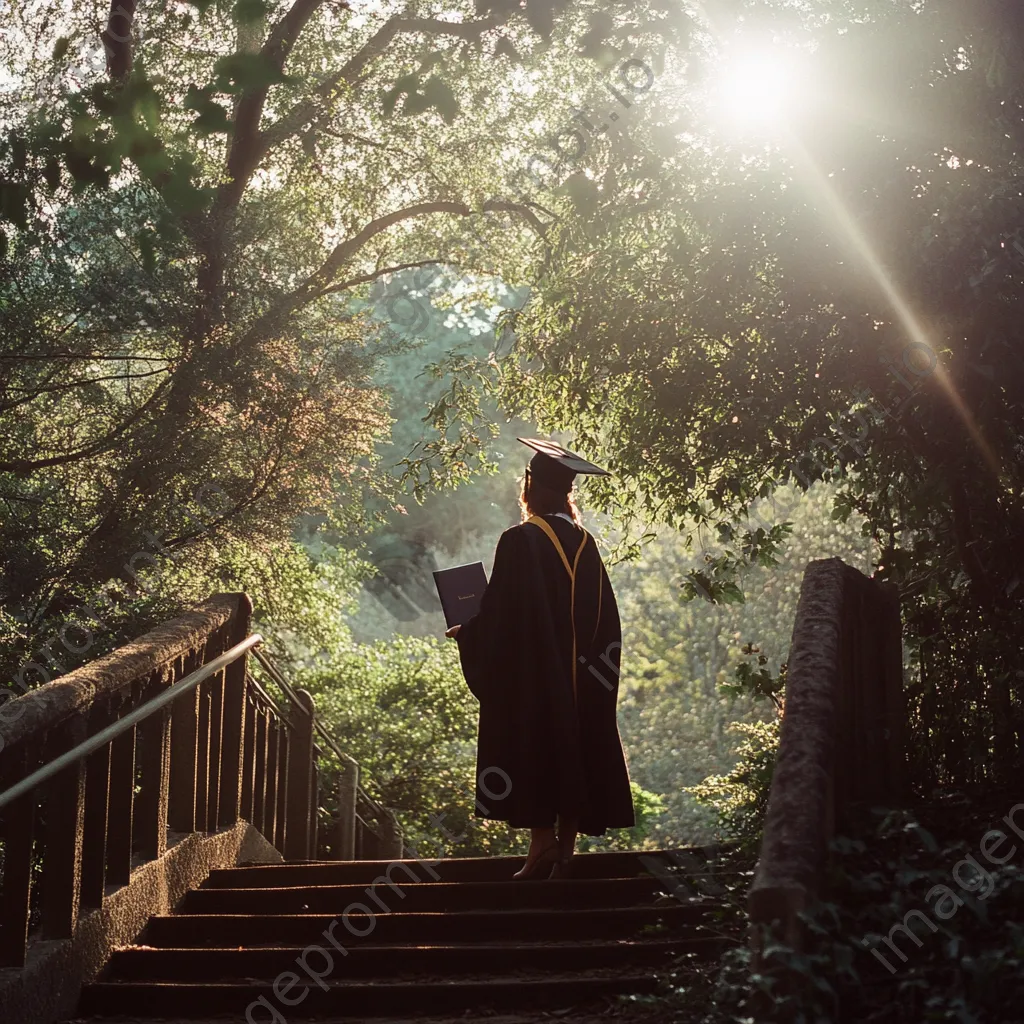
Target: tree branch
28,465
117,38
244,153
488,207
344,251
375,275
319,283
522,209
303,113
31,394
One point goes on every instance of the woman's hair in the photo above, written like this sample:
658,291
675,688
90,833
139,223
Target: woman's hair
538,499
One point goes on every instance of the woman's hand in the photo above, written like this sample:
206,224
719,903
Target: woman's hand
453,632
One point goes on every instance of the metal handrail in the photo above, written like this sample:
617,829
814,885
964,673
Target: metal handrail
290,693
104,736
262,693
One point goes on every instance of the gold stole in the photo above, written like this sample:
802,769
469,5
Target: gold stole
571,570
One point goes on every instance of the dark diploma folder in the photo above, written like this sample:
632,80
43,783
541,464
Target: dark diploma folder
460,590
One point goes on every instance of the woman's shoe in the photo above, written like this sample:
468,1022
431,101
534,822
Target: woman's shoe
540,867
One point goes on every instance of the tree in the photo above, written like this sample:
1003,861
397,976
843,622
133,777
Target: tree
187,230
837,304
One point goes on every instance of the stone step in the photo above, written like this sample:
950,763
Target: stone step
457,869
270,944
595,1014
262,1002
392,893
373,961
224,930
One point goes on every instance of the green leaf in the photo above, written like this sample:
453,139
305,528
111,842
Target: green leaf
195,97
505,48
430,61
583,192
927,839
214,118
242,72
415,103
541,17
594,42
405,84
14,200
147,251
61,47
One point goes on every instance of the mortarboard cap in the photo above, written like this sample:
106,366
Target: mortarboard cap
556,466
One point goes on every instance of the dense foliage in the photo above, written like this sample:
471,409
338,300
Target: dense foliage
194,205
693,669
834,295
919,925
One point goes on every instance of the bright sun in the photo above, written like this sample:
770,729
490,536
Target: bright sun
755,88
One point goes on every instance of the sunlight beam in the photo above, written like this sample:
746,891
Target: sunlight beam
906,315
759,87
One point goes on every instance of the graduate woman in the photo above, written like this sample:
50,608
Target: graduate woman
542,657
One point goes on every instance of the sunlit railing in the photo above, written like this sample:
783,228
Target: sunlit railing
169,734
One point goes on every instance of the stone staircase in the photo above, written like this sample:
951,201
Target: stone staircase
374,939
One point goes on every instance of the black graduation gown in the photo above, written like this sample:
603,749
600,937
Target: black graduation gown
542,752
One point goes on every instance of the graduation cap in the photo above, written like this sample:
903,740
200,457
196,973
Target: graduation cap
555,466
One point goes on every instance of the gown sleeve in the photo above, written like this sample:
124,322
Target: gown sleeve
500,606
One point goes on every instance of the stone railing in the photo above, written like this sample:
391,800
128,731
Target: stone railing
124,782
843,734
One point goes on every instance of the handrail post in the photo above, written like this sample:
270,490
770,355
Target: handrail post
121,801
247,811
389,846
216,693
203,755
65,816
314,810
155,764
345,831
97,804
184,763
233,741
18,821
300,779
261,785
281,786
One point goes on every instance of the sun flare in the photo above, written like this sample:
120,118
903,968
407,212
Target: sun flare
755,87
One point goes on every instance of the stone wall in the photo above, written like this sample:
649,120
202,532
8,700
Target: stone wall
47,988
842,740
40,710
